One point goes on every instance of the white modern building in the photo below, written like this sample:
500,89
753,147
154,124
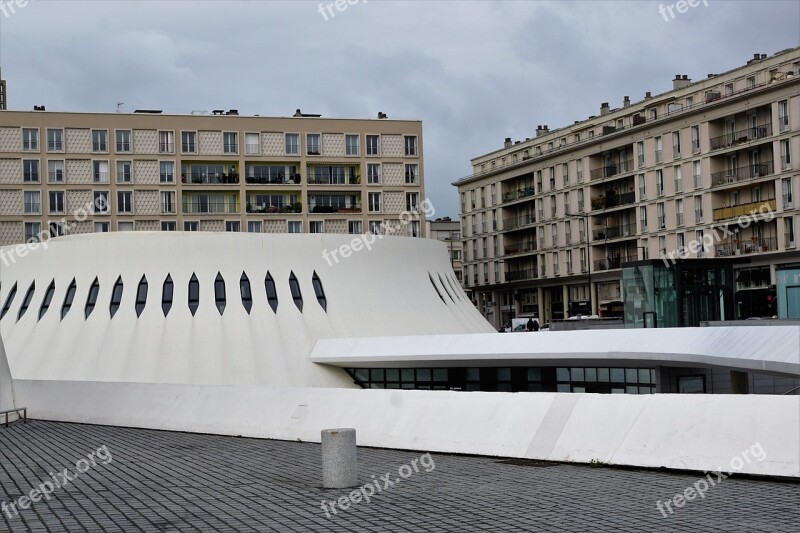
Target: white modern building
274,336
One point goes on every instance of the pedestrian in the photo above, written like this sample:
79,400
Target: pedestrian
530,324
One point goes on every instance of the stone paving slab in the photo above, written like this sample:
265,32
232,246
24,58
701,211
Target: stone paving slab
165,481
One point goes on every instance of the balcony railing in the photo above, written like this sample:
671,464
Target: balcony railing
611,169
334,209
519,222
610,263
613,199
216,179
747,246
520,247
741,137
210,207
738,175
275,209
744,209
278,179
518,194
520,275
614,232
327,180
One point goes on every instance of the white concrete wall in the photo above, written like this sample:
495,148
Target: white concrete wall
6,387
695,432
384,290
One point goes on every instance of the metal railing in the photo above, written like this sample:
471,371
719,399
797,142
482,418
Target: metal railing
611,169
741,137
740,174
518,222
210,207
614,232
519,275
518,194
613,199
740,210
522,247
747,246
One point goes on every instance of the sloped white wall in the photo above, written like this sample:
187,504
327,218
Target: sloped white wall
694,432
384,290
6,387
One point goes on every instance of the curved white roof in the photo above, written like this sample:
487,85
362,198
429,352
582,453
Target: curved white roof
399,286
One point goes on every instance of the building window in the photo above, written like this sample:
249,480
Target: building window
194,294
254,226
319,291
786,186
354,227
294,226
783,115
69,297
374,202
100,171
167,202
411,174
56,229
412,202
91,298
661,216
272,294
251,144
373,173
695,139
698,180
698,209
55,171
316,226
123,140
32,202
788,225
125,202
219,293
99,140
678,178
30,140
374,145
786,157
166,295
232,226
659,150
141,296
189,142
230,142
55,140
292,143
659,182
676,144
579,170
30,169
33,232
294,287
124,173
166,142
643,218
9,300
351,144
312,144
246,294
376,227
101,203
411,146
191,225
167,171
125,225
169,225
640,153
55,202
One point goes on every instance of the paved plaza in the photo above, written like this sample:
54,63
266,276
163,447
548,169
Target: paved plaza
100,478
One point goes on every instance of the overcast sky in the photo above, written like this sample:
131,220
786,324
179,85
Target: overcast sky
474,72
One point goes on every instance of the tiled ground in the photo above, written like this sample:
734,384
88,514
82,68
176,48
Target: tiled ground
163,481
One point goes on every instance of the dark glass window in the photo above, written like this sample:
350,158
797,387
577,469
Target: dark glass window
67,305
91,300
141,296
48,297
436,288
194,294
319,291
219,293
26,302
116,297
272,295
297,296
247,296
166,295
9,301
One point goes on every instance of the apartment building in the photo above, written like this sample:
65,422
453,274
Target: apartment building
449,232
63,173
548,221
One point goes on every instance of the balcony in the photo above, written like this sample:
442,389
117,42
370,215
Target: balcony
218,178
614,232
612,199
518,194
333,175
520,275
730,140
518,222
206,204
610,263
334,203
741,210
742,174
748,246
522,247
611,169
273,209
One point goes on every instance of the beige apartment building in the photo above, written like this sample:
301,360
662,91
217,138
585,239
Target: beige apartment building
448,231
548,221
63,173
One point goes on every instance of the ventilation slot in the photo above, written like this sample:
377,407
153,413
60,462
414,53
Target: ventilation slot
166,295
91,300
272,295
141,296
9,301
319,291
194,294
26,302
436,288
444,285
219,293
68,298
297,296
48,298
247,296
116,297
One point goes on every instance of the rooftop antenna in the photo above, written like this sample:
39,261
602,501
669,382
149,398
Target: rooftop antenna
119,105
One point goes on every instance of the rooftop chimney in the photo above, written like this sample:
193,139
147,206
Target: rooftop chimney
626,102
507,143
680,82
382,115
541,130
647,95
604,109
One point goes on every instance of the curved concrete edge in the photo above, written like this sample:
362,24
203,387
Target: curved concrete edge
687,432
6,385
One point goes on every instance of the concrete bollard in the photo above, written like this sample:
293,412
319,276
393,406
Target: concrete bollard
339,464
